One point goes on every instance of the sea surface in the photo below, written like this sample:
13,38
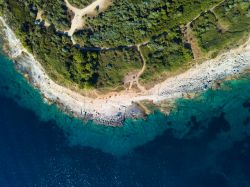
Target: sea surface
204,141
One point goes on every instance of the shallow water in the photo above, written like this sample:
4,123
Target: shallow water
204,142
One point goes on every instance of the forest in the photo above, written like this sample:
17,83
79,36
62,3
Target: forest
105,49
131,22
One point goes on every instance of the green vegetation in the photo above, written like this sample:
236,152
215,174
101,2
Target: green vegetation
80,3
55,51
130,22
223,27
114,64
106,47
165,52
55,12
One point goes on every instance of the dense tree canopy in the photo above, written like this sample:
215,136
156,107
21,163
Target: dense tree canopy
106,48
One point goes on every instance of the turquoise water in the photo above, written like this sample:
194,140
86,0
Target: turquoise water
135,132
205,140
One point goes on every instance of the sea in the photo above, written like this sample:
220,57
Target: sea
203,142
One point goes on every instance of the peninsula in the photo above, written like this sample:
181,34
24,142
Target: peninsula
107,60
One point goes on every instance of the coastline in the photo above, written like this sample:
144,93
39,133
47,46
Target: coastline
114,109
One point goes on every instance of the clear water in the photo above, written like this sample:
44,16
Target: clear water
204,142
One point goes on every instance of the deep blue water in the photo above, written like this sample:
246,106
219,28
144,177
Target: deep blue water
204,142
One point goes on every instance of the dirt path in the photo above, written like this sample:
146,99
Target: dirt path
210,9
134,78
191,39
193,80
221,25
142,88
78,22
80,14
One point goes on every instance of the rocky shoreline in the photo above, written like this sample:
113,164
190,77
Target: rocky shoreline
112,111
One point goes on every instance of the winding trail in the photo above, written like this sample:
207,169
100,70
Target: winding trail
191,39
205,11
135,77
142,88
78,22
118,105
80,14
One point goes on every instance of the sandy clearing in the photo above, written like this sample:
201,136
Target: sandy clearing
80,14
194,80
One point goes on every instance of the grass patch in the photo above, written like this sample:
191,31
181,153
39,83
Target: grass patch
224,27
